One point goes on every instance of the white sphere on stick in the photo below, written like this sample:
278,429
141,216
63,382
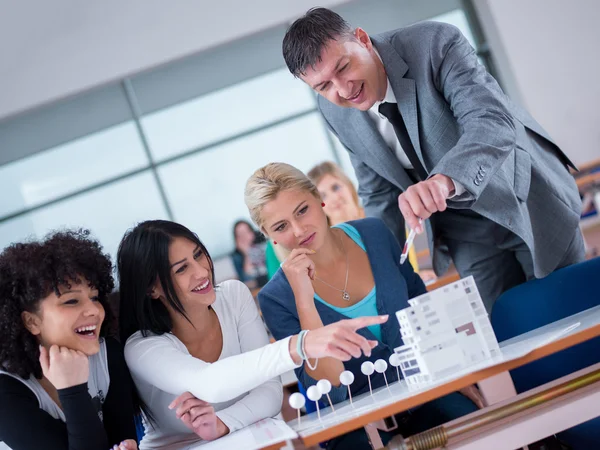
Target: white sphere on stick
313,393
346,378
381,366
324,387
367,368
395,360
297,400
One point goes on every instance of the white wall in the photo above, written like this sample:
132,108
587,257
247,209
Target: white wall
548,58
53,49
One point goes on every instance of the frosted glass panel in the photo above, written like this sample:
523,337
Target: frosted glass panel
344,159
206,191
225,113
108,212
66,169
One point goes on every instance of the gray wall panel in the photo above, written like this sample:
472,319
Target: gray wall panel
211,70
61,122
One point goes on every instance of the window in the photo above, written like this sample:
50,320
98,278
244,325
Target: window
344,159
68,168
107,211
206,190
226,113
411,372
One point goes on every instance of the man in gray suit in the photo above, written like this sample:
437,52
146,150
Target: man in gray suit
431,135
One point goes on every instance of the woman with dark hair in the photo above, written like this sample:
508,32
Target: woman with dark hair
63,384
249,254
206,344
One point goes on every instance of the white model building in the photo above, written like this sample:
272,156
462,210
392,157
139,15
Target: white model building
444,331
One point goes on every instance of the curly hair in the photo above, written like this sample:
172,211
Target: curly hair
31,271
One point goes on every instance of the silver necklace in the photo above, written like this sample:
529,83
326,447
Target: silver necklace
345,295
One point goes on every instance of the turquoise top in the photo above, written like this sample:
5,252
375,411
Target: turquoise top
368,305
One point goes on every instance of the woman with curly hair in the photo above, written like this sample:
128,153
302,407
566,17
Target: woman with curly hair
63,385
199,352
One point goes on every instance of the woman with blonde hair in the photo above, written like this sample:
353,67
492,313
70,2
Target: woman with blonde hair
332,273
337,192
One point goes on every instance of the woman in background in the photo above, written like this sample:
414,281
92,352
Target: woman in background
337,192
249,254
63,384
342,204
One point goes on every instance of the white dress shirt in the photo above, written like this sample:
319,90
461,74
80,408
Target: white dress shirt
243,385
386,129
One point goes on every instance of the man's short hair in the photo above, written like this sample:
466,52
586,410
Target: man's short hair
305,39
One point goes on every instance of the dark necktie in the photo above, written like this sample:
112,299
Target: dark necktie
390,111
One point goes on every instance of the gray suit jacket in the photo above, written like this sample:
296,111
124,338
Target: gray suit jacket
461,125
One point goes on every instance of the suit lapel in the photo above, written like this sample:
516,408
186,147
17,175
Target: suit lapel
404,89
376,152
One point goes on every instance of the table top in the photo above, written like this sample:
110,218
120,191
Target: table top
387,401
266,434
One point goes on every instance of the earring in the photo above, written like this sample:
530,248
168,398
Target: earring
323,204
275,242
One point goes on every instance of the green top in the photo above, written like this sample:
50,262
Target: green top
271,260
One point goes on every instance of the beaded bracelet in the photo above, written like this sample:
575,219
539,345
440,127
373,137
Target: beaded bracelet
304,353
299,346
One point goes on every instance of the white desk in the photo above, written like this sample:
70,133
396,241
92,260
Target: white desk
266,433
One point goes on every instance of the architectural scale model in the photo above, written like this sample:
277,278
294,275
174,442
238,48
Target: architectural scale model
444,331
